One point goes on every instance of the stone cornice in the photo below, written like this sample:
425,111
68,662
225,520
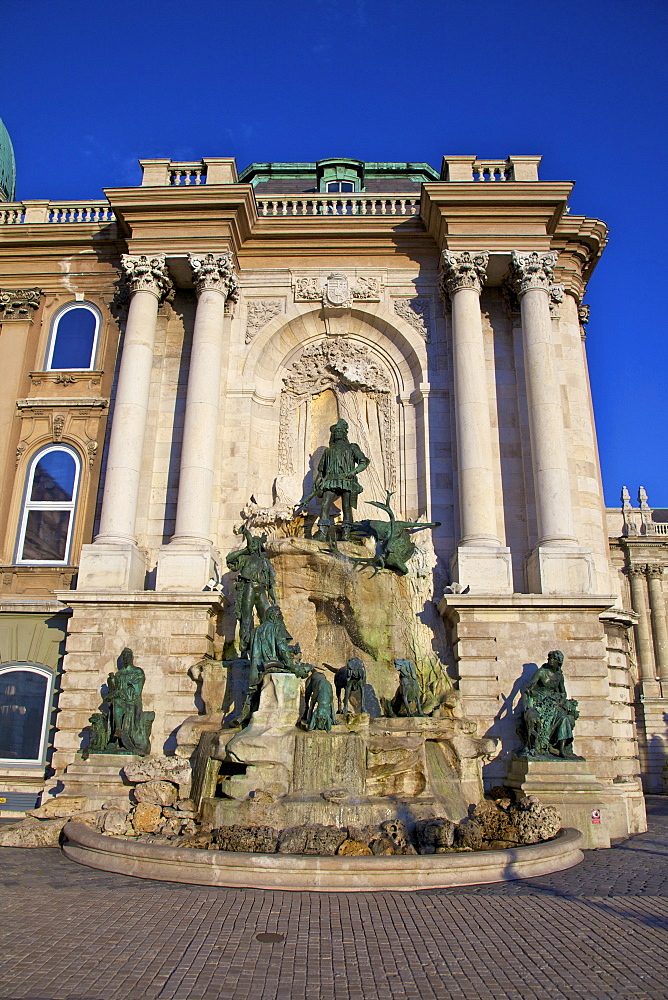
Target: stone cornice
179,220
464,270
146,273
215,271
479,215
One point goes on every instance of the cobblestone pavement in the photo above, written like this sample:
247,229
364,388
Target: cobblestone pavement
597,931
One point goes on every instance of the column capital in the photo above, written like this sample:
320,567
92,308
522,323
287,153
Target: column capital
146,273
532,270
19,304
636,570
463,270
215,271
654,572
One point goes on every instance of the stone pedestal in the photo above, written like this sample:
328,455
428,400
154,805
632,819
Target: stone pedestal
560,571
485,569
185,566
113,565
98,780
580,799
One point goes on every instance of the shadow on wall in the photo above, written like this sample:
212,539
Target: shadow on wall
506,719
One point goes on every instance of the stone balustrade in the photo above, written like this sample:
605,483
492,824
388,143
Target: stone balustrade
345,205
470,168
38,212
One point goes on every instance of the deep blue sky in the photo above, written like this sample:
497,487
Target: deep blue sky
89,87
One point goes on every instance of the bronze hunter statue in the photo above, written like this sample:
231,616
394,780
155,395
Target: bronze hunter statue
254,585
548,716
338,468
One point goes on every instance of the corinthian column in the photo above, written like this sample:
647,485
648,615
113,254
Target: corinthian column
480,559
114,561
557,565
659,624
186,563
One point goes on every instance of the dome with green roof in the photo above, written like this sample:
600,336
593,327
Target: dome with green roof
7,166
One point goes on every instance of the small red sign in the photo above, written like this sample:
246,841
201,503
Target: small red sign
596,815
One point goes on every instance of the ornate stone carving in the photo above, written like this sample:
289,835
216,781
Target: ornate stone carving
463,270
654,572
556,298
145,273
91,448
336,290
215,271
630,526
636,570
648,527
64,379
532,270
19,304
261,312
20,448
416,312
583,313
58,426
339,365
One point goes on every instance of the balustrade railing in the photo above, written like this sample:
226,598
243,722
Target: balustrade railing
187,174
326,205
492,170
27,212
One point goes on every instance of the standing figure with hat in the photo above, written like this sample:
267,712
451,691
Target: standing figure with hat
338,468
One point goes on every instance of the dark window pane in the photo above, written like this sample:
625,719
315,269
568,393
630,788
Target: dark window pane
46,534
54,477
22,697
74,339
346,186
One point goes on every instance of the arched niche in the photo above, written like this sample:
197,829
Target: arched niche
370,375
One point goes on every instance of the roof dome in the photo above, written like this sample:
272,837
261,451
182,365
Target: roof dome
7,166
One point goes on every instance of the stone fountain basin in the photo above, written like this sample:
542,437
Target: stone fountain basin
298,873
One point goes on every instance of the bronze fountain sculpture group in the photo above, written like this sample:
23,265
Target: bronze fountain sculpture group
548,717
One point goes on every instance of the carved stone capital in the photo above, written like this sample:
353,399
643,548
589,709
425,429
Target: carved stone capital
464,270
215,271
19,304
532,270
654,572
636,571
145,273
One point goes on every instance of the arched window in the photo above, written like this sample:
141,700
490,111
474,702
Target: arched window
73,339
48,508
25,707
340,186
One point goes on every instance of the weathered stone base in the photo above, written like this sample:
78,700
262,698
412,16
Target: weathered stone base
579,799
485,569
653,738
98,780
111,566
319,874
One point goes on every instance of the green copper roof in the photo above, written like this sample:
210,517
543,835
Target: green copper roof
339,168
7,166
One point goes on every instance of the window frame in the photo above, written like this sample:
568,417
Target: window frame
27,505
329,190
53,336
34,668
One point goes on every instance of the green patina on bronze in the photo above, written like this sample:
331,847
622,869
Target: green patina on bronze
254,587
393,538
548,716
124,727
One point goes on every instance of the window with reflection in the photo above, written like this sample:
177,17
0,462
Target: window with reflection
73,340
25,704
48,509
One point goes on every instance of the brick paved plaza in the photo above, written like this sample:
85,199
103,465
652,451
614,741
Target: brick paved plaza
598,930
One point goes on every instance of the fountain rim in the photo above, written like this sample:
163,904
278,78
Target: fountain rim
315,873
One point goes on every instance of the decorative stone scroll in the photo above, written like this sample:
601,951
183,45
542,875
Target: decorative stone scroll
341,366
19,304
259,313
417,312
215,271
336,290
146,274
583,313
463,270
556,298
532,270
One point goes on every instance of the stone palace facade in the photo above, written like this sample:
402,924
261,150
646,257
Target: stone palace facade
172,356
